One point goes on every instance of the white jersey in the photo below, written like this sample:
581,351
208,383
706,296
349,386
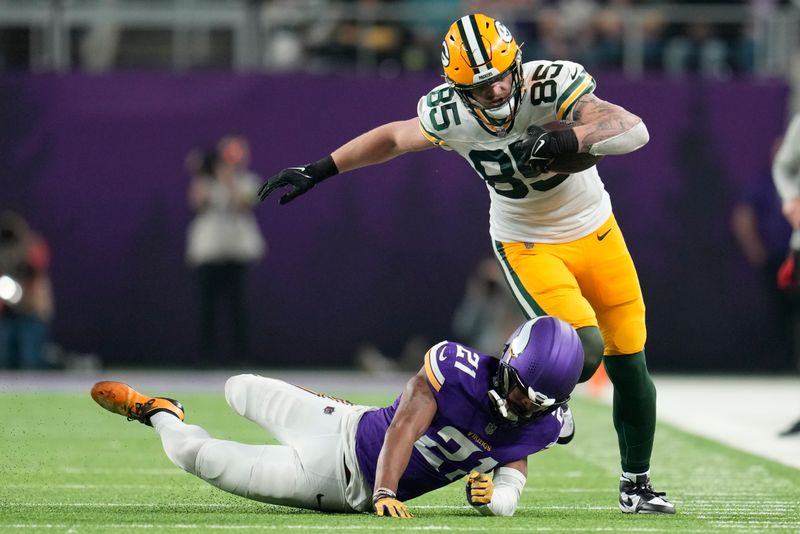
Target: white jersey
549,208
786,166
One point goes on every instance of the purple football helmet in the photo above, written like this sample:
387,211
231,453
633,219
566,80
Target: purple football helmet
544,358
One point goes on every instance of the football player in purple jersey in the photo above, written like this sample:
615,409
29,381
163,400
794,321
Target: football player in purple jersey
463,413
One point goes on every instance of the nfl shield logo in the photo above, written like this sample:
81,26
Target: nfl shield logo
329,410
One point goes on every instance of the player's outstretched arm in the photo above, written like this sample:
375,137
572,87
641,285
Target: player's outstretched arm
381,144
498,495
413,417
605,129
375,146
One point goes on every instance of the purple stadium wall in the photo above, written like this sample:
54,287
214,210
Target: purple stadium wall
96,163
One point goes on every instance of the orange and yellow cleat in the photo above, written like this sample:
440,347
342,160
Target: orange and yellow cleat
124,400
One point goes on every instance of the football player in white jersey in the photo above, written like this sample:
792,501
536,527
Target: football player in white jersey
554,233
786,175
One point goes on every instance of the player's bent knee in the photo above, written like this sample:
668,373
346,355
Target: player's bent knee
592,342
183,452
225,465
630,337
236,392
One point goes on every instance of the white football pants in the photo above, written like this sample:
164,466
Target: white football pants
314,467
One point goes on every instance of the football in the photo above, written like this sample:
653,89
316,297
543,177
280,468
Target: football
569,163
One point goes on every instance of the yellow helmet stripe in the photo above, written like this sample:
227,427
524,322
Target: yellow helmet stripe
587,84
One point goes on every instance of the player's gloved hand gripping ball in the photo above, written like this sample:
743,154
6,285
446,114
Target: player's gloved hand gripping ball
386,504
301,179
479,488
554,148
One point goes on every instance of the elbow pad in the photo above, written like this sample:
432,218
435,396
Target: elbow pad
508,484
627,141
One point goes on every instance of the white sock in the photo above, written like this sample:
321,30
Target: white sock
160,419
181,442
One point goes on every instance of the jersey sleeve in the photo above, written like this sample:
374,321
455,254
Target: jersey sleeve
572,83
786,165
558,84
436,111
434,373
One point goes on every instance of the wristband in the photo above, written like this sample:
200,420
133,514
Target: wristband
383,493
563,142
322,169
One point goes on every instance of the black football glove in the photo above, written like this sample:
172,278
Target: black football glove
541,146
301,179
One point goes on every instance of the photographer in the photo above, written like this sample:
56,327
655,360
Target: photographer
223,239
26,300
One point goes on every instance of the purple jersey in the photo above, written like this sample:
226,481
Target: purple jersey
464,434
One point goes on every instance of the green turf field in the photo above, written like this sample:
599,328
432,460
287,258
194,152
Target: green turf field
69,466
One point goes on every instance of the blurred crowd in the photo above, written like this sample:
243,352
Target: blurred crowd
395,36
591,32
26,297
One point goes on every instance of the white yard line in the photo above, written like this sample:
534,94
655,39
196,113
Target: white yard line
371,527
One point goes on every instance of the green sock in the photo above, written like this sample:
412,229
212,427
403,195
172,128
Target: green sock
634,409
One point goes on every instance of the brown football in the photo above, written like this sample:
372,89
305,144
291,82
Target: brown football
570,163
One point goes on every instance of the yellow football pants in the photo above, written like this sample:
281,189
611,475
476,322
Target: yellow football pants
587,282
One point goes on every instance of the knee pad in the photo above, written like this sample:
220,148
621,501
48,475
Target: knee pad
236,392
592,342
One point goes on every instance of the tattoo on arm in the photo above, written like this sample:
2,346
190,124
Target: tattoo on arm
599,120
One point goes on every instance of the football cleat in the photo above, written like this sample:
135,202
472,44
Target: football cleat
639,497
122,399
567,427
792,430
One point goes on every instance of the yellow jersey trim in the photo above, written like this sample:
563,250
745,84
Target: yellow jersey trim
574,96
430,373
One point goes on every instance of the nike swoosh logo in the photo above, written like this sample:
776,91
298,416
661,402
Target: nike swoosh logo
602,236
574,73
442,357
539,145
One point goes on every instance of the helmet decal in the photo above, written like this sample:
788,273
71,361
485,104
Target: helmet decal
445,55
503,32
520,341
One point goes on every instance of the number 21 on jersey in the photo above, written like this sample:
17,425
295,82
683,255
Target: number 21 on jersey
468,361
